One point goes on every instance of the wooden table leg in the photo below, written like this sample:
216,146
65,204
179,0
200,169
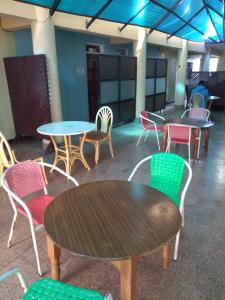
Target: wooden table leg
165,134
54,256
127,269
207,133
195,132
165,256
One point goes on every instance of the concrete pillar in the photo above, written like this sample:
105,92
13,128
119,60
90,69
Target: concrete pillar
43,36
181,74
7,49
139,50
206,61
221,62
171,57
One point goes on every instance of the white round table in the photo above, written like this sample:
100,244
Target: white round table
68,153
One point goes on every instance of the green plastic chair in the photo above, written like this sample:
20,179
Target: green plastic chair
48,289
166,175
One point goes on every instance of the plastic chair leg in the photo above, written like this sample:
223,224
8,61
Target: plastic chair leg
140,137
157,137
176,246
12,230
35,247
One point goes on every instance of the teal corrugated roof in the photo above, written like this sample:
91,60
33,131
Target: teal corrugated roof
196,20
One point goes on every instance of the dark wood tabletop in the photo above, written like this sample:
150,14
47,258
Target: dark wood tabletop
195,123
111,220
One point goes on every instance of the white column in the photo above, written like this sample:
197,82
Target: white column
43,36
181,74
7,49
221,62
139,50
206,60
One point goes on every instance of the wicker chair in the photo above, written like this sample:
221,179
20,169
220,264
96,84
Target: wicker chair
103,121
7,155
166,175
48,289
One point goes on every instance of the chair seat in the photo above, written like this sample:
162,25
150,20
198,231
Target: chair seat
37,207
96,135
179,141
151,127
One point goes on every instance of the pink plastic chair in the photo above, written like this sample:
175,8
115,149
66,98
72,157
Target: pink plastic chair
21,180
199,113
179,134
149,125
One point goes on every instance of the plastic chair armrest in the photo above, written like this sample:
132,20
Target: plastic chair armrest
12,272
160,117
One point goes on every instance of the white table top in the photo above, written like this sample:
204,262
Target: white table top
66,128
211,98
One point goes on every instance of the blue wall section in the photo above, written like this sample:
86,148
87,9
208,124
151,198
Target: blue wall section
152,51
23,42
72,65
71,52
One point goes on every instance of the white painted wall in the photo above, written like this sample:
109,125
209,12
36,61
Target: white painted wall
7,49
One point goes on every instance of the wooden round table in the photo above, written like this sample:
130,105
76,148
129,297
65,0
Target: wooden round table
117,221
196,124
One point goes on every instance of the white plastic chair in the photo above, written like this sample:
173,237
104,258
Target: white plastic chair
149,125
197,100
179,134
199,113
26,178
165,165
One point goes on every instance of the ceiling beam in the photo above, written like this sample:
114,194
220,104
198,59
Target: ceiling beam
98,13
180,28
179,17
162,19
133,17
208,13
213,9
54,7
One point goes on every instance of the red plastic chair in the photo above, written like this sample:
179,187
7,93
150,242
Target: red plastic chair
149,125
179,134
21,180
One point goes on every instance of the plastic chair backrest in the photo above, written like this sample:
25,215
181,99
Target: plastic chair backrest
25,178
6,156
166,174
50,289
105,116
144,122
199,113
178,131
197,100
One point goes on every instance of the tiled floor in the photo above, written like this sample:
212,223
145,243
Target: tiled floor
199,272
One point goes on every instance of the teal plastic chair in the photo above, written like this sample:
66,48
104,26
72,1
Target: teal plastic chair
48,289
166,175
